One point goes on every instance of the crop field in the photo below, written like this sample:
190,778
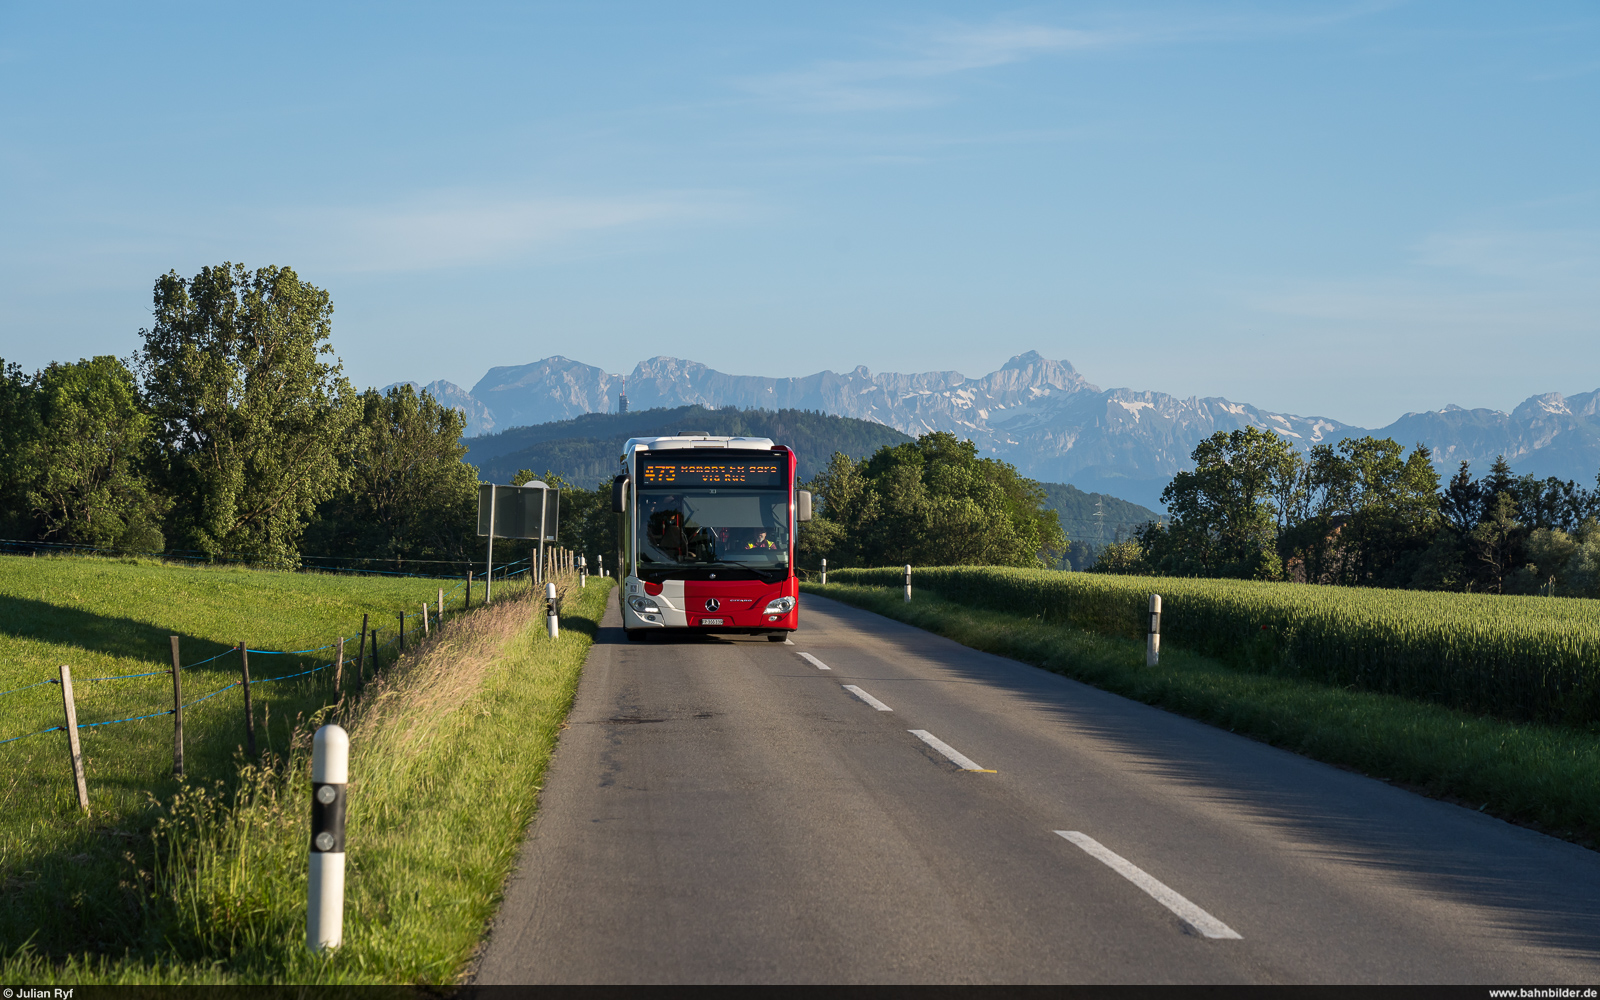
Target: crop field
112,619
1521,658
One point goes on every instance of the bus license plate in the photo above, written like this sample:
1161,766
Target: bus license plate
711,621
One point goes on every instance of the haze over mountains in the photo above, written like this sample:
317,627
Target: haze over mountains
1040,415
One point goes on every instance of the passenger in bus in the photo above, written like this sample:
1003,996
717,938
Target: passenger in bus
665,526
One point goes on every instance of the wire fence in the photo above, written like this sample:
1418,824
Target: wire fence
430,615
393,644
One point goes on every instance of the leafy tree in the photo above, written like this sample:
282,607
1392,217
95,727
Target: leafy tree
409,495
83,466
1226,514
1121,557
19,426
933,502
251,423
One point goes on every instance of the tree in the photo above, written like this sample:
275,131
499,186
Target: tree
932,502
1498,542
1227,512
409,495
83,466
251,423
1462,503
19,427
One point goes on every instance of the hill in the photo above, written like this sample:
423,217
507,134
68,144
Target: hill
1092,520
584,450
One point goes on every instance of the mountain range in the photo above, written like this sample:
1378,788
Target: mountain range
1038,414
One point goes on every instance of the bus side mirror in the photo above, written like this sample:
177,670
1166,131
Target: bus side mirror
619,495
802,505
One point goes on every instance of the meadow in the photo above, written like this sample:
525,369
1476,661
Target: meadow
110,620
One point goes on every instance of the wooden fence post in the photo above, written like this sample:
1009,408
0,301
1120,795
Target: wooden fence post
361,651
441,607
73,747
338,672
467,606
177,711
374,652
402,631
424,617
249,713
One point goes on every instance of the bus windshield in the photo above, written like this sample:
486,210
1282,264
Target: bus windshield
701,528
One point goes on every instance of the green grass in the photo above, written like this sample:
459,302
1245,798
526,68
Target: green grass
447,752
1546,776
1521,658
108,617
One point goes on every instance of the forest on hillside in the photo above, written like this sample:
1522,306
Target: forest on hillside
586,449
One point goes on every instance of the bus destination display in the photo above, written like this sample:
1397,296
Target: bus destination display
699,472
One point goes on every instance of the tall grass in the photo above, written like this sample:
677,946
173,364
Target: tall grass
69,881
447,750
1524,658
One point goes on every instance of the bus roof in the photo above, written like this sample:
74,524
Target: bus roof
687,441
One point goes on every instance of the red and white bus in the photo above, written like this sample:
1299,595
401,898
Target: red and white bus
708,536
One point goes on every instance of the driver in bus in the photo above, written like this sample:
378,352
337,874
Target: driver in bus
761,542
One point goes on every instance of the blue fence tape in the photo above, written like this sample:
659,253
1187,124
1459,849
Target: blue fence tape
25,687
119,677
112,722
26,735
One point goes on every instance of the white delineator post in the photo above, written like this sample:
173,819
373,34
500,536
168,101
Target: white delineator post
908,583
1152,651
824,572
330,773
583,571
550,611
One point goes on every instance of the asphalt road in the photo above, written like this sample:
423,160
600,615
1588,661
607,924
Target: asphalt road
725,811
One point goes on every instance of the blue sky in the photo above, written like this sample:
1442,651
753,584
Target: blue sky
1349,210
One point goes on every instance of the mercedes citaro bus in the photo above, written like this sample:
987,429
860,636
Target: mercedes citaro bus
708,532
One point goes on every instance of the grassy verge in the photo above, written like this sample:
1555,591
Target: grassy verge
62,874
1544,776
205,882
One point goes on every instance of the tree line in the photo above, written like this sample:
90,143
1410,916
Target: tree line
233,434
1363,512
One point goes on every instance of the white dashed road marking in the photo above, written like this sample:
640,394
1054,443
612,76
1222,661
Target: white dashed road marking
1189,913
869,699
814,661
956,757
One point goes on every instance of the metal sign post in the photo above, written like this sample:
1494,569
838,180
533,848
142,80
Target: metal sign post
488,567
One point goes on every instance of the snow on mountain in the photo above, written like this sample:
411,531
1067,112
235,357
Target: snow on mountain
1040,415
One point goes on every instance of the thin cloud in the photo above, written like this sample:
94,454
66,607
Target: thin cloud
922,57
891,83
451,232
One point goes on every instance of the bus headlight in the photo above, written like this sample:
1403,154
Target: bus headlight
643,605
781,606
